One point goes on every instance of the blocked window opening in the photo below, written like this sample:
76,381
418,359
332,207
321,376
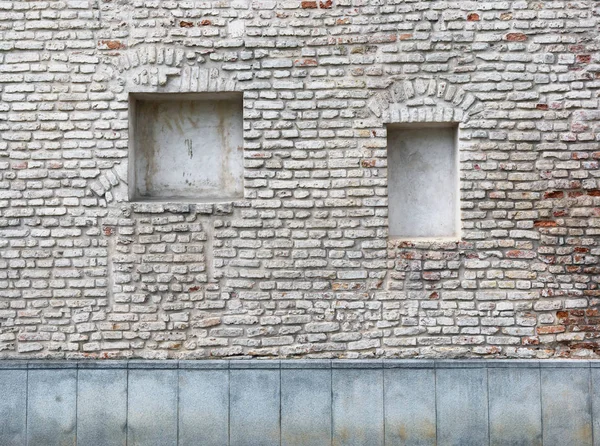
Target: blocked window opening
423,181
186,147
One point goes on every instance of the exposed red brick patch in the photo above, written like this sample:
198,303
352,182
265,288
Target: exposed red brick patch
473,17
326,4
205,22
554,194
551,329
20,165
405,36
113,44
408,255
185,24
575,193
579,155
343,21
368,163
516,37
306,62
545,223
108,230
594,192
542,106
581,249
194,288
531,340
520,254
309,5
434,295
431,275
583,321
260,155
584,58
561,213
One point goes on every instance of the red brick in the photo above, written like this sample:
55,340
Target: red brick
306,62
516,37
584,58
554,194
551,329
113,44
368,163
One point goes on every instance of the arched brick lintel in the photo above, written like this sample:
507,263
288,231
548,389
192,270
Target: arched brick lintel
424,100
149,69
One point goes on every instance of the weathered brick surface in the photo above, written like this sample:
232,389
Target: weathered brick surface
303,265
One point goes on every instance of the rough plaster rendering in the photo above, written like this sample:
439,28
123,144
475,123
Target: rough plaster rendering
302,265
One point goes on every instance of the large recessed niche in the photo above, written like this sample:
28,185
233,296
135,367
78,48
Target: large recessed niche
423,181
186,147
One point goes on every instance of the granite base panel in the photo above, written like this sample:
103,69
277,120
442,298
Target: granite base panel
301,402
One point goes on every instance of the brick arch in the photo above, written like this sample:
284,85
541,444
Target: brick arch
424,100
151,69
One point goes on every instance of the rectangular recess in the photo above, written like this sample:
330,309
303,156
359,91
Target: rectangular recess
186,147
423,183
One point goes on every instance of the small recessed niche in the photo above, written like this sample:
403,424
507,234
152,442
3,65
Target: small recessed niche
423,181
186,147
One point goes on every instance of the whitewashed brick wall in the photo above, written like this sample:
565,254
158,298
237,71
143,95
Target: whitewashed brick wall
303,265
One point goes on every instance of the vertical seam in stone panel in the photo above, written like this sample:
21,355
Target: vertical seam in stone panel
541,406
331,402
177,412
435,399
487,393
280,390
383,399
228,405
127,406
591,399
76,401
27,405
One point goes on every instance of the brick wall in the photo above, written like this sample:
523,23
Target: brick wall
302,265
